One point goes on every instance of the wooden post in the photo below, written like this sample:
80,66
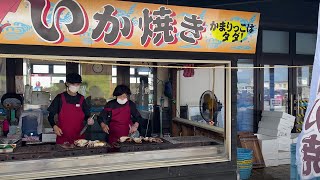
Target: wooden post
14,67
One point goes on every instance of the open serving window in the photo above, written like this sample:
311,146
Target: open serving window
187,106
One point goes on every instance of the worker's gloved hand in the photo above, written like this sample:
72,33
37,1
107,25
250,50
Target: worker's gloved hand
211,123
105,128
133,128
90,121
57,130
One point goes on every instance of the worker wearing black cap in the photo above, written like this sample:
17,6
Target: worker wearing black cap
72,112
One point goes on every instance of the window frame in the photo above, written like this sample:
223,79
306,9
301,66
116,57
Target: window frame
72,166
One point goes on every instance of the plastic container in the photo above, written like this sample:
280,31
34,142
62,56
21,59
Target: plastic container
244,162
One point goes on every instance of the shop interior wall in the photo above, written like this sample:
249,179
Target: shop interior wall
204,79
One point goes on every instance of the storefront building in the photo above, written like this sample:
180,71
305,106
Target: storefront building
42,41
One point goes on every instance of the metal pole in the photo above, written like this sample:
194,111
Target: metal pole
160,110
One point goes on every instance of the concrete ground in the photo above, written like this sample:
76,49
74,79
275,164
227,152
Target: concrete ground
277,173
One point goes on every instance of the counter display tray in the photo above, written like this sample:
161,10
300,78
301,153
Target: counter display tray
47,151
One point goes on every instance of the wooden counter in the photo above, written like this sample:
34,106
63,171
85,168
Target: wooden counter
184,127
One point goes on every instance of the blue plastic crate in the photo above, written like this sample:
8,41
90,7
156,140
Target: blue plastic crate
293,171
245,173
293,147
243,155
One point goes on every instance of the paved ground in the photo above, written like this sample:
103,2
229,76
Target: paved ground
278,173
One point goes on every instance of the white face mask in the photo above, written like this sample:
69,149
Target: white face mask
74,89
122,101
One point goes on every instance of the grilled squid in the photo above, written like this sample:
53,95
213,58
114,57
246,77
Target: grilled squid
137,140
81,143
124,139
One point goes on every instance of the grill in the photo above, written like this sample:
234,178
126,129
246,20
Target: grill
168,143
47,151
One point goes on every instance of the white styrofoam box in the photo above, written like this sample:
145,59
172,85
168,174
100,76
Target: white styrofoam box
269,146
284,155
264,137
277,121
284,147
49,137
284,140
277,114
284,161
274,133
275,125
271,162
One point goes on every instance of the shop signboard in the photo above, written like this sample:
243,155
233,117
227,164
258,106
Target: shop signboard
127,25
308,144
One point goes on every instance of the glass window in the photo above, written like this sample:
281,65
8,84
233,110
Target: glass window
306,43
275,42
304,75
114,71
42,77
276,88
133,80
58,79
132,71
141,86
143,73
43,69
59,69
245,105
114,80
98,84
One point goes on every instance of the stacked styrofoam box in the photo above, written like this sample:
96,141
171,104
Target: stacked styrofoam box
269,149
278,126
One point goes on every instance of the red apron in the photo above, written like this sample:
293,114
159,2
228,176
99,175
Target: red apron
119,124
71,119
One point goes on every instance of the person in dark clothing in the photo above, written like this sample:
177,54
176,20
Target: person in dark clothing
72,111
120,116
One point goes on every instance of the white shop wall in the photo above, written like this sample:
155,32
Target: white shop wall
219,84
191,88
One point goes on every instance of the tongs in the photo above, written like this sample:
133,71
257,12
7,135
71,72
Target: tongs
85,127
